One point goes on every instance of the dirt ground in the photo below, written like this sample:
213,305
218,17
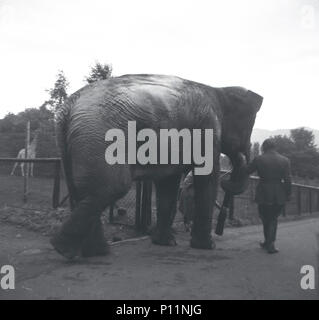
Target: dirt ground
37,214
237,269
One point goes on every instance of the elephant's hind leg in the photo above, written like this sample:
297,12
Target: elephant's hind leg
166,193
95,243
82,230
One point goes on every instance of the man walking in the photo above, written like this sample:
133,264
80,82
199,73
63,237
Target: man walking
273,190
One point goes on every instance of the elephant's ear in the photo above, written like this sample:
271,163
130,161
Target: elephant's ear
255,99
238,100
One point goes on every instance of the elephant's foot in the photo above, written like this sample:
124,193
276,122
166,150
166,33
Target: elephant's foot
95,246
95,243
93,251
68,248
165,238
203,242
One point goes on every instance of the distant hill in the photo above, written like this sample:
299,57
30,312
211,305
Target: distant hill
259,135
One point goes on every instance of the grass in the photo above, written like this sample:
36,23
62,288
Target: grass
39,191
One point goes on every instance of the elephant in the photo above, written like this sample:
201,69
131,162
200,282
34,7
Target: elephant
156,102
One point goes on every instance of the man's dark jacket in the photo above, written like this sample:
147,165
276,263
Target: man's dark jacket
274,186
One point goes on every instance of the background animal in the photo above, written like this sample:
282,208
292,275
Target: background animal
31,153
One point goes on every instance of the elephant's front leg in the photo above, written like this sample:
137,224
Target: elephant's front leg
205,196
82,230
166,193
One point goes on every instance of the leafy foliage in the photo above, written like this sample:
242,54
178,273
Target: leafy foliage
303,139
17,122
58,94
300,148
99,72
284,144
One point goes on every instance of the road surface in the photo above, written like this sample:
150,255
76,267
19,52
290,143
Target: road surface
237,269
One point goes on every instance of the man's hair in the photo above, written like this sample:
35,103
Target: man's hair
268,144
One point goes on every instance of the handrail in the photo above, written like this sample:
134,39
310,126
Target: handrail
30,160
293,183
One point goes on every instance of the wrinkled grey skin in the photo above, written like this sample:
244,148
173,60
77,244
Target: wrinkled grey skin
155,102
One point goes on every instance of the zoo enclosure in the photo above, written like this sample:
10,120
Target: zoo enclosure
57,175
139,203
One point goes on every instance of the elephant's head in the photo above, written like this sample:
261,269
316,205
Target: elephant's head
240,107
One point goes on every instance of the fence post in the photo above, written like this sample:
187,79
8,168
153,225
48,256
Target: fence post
56,187
26,165
299,199
310,201
138,205
146,212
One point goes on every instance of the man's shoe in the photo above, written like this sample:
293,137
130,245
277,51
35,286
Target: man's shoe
262,245
272,249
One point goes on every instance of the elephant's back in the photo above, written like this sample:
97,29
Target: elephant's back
130,92
152,99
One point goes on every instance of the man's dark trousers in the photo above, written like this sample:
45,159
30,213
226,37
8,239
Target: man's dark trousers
269,214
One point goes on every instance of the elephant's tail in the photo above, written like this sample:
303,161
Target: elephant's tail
62,122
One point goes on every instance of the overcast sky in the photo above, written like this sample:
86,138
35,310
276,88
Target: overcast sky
269,46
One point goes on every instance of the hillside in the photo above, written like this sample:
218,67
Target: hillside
259,135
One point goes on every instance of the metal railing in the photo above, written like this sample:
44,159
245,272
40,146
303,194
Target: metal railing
304,200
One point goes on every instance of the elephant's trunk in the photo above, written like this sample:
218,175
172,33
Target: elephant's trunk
239,179
237,184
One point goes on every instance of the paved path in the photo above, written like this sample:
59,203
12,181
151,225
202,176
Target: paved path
237,269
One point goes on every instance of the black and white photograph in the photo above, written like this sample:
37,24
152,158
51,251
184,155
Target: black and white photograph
159,154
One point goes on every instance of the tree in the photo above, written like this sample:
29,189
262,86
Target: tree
13,130
17,122
99,72
303,139
300,148
284,145
13,126
305,157
58,94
